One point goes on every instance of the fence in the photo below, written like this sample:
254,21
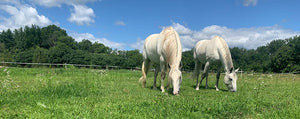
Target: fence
99,66
64,65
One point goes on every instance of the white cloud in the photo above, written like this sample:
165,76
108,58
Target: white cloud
138,44
82,15
58,3
249,2
16,2
120,23
21,15
249,38
92,38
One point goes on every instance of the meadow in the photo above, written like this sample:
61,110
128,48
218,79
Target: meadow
94,93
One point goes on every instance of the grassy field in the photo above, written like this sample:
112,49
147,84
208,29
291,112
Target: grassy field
91,93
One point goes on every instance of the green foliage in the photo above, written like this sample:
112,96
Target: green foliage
40,55
25,56
280,61
86,93
51,44
85,45
61,53
100,48
133,58
188,60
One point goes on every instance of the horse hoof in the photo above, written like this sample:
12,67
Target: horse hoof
197,88
217,89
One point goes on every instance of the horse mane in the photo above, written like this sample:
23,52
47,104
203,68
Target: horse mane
224,50
173,47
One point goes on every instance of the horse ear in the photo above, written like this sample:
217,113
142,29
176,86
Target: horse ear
231,69
236,70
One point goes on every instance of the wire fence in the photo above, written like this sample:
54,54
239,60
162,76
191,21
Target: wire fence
53,65
23,64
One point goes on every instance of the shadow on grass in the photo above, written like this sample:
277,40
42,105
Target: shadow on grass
168,90
210,88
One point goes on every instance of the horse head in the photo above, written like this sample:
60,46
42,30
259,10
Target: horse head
230,80
176,78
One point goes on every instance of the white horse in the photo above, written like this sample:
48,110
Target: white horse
215,51
163,49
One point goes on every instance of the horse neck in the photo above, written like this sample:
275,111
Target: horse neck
225,57
174,66
175,53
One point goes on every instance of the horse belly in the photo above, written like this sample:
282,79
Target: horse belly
201,57
153,57
152,54
212,52
212,56
151,48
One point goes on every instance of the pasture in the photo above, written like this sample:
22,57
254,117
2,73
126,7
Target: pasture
92,93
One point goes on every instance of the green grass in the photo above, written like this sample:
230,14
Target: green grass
90,93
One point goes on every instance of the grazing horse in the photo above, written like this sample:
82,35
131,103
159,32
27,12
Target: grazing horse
215,51
163,49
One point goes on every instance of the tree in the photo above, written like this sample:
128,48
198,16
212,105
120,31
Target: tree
81,57
85,45
5,55
188,60
61,53
40,55
274,45
50,35
263,59
133,59
24,56
281,60
69,41
100,48
294,43
19,39
8,40
238,56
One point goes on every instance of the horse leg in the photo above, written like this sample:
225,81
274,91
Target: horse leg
163,75
145,68
218,77
169,79
205,74
206,86
197,72
155,76
217,81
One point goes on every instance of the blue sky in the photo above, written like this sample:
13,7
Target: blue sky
124,24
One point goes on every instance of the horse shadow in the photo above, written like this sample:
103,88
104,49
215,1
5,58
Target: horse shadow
170,90
167,90
210,88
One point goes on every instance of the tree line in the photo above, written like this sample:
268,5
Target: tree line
51,44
